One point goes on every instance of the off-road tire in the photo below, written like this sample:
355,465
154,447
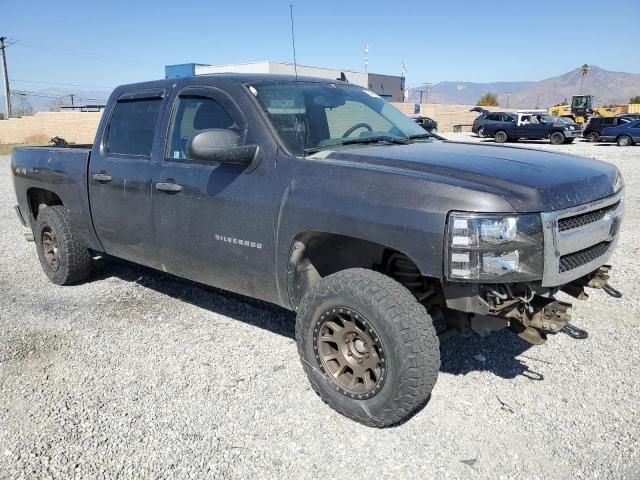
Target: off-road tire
501,136
557,138
74,259
404,329
624,141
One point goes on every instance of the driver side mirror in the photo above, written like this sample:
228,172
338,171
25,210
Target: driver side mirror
219,145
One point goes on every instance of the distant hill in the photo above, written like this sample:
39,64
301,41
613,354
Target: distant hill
607,87
464,93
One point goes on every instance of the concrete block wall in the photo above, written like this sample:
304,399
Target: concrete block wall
80,127
446,115
76,127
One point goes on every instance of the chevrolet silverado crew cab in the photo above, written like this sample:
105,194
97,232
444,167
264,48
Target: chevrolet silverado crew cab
321,197
533,126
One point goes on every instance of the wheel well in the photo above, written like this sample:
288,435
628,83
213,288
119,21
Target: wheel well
39,197
315,255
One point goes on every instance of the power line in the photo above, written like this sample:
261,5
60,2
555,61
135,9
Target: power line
86,56
61,84
47,95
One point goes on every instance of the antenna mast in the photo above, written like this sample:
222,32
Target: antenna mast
293,42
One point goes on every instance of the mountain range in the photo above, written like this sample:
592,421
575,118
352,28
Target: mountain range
607,87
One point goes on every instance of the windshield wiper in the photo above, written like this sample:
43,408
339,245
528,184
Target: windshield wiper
424,135
361,141
376,139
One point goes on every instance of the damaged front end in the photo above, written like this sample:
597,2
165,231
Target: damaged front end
505,270
530,311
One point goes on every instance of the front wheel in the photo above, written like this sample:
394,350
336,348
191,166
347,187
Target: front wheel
63,257
624,141
369,349
593,137
557,138
501,137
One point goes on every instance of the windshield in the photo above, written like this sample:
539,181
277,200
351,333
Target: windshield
311,115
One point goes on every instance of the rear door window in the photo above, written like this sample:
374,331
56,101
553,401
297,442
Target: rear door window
132,127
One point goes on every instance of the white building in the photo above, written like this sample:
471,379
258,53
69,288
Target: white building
389,87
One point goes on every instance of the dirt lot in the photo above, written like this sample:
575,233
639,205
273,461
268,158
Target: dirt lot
137,374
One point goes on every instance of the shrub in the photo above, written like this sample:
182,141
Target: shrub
488,100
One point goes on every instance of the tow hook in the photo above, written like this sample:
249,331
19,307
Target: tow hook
575,332
611,291
600,279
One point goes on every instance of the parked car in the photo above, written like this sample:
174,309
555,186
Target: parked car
592,131
429,124
533,127
624,134
487,117
321,197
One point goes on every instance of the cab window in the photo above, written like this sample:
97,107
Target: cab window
132,127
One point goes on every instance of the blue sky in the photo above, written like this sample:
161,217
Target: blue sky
102,44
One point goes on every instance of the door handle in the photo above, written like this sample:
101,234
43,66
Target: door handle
102,177
169,187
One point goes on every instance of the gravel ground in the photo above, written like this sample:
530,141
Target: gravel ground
137,374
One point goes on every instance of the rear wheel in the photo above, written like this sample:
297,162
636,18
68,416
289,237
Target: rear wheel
62,256
480,132
368,347
624,141
557,138
501,137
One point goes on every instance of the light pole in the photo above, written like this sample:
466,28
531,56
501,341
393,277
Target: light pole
366,58
405,92
538,101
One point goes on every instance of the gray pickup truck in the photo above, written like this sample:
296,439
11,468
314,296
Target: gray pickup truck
321,197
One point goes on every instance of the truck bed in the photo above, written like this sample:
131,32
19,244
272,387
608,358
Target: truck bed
39,168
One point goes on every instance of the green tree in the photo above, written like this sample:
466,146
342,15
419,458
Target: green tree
584,69
635,99
488,100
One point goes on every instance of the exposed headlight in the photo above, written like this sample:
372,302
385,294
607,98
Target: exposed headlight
619,183
494,248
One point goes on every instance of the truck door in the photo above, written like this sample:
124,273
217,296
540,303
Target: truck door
120,169
214,221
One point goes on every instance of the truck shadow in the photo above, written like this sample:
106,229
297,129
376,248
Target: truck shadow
496,353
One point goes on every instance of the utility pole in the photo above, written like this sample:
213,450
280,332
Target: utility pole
427,89
538,101
7,92
72,95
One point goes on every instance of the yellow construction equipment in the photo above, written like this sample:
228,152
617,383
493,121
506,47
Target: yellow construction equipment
581,109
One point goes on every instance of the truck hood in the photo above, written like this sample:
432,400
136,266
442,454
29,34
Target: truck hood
530,180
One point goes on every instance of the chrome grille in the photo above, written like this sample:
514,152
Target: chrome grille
580,239
584,218
581,257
